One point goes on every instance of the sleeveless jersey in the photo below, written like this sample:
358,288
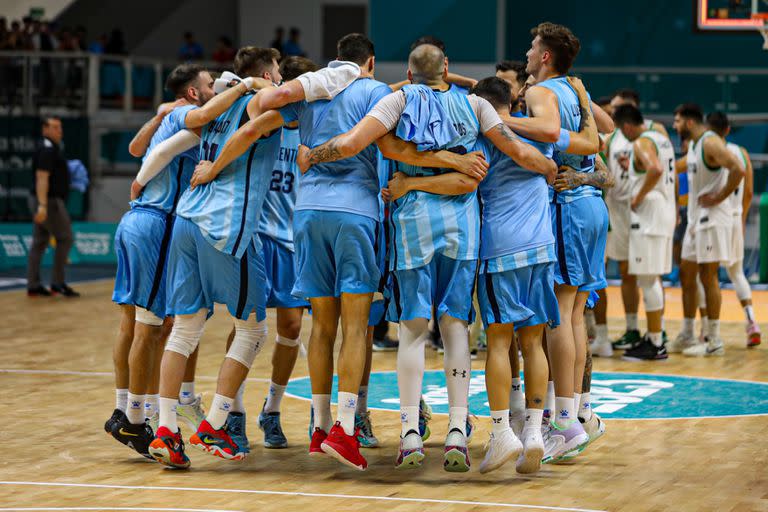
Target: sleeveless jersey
702,180
227,210
620,147
424,224
516,226
276,219
737,198
163,191
658,210
570,119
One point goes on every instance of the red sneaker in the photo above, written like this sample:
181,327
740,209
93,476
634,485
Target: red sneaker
318,436
168,448
344,448
216,442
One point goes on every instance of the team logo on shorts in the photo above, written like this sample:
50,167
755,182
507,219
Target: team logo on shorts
615,395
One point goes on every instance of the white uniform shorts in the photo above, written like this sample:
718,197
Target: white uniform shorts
707,245
617,245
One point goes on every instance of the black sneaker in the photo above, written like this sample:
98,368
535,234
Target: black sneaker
133,436
117,415
63,289
385,344
628,340
39,291
437,341
646,351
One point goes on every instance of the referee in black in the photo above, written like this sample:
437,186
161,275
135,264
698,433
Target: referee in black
51,216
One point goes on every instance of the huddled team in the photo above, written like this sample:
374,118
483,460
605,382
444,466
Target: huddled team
337,192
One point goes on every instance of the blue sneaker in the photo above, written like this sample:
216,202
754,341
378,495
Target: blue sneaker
269,422
425,414
235,426
365,430
469,428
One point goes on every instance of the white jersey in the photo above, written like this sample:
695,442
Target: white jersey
657,213
703,179
737,198
620,147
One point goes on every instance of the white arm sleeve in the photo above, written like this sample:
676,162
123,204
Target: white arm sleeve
486,114
162,154
327,83
388,110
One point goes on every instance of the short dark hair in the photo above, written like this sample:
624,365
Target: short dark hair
561,42
628,94
690,111
516,66
181,76
355,48
47,119
429,40
718,122
294,66
603,100
495,90
627,114
254,61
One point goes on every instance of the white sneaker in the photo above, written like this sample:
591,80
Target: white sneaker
601,348
682,342
517,422
594,427
706,349
192,414
456,456
533,451
411,453
502,447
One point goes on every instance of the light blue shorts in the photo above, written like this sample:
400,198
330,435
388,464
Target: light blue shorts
335,252
280,268
580,229
200,275
524,296
377,313
141,244
446,283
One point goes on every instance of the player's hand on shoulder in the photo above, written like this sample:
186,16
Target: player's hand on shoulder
136,189
165,108
202,175
302,158
398,186
473,164
576,83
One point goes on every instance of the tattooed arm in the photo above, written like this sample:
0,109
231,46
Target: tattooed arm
343,146
569,179
525,155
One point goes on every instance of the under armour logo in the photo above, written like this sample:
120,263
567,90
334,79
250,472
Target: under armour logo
463,373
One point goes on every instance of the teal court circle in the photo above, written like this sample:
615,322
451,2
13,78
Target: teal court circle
617,395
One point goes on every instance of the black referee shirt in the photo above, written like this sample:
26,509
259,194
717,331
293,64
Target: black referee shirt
48,157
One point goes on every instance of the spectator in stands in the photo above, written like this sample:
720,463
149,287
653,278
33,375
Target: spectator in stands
292,46
225,52
116,43
277,43
42,40
191,49
51,216
99,45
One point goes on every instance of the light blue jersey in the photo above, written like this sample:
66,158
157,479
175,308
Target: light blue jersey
227,210
516,227
163,191
277,215
425,224
570,119
350,185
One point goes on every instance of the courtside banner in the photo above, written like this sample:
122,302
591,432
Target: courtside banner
94,243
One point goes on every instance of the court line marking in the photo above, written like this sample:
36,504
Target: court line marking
121,508
306,494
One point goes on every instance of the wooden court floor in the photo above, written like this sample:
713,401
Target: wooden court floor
57,390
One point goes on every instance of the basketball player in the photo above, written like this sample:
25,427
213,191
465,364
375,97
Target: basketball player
713,175
141,242
618,154
652,222
215,256
740,203
439,269
579,221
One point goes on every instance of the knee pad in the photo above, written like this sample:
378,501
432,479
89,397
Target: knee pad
147,317
287,342
653,293
186,333
250,337
739,281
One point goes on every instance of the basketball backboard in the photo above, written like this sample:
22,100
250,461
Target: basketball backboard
733,16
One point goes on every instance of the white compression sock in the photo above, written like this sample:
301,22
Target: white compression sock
321,407
237,404
500,421
187,393
550,404
457,361
346,411
704,326
409,419
362,400
121,399
457,418
749,314
413,335
688,324
565,411
713,333
602,333
274,398
150,405
168,413
631,321
220,409
585,407
516,397
533,418
135,410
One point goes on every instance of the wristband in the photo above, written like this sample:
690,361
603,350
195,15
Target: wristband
248,81
564,141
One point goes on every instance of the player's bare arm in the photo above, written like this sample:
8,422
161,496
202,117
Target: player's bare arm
568,178
138,146
273,98
602,119
544,123
472,164
646,160
199,117
748,185
587,140
449,184
523,154
716,154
